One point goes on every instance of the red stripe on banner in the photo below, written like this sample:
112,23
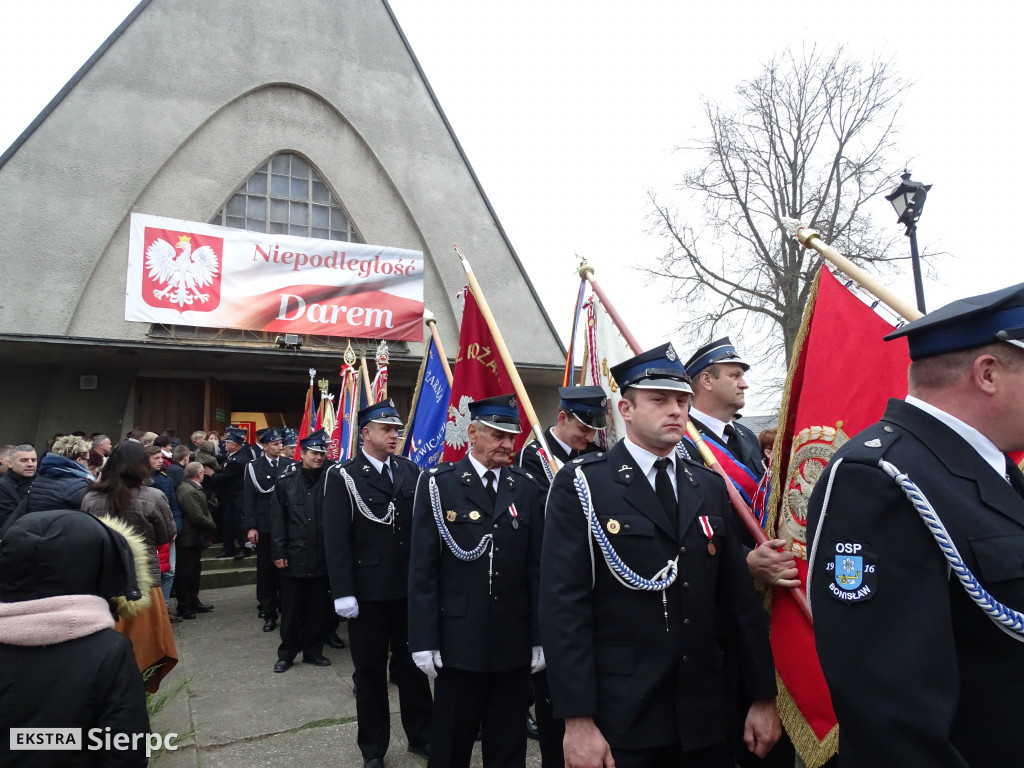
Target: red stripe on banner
327,311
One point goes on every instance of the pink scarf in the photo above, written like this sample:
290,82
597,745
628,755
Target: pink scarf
52,620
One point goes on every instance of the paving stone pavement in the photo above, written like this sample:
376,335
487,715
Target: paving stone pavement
233,711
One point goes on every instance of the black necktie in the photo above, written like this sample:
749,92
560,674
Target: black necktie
729,432
490,483
663,487
385,474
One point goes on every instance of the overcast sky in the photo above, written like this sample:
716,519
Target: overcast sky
570,111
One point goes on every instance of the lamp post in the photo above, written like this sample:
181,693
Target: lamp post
908,200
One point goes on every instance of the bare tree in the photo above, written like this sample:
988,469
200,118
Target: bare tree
807,139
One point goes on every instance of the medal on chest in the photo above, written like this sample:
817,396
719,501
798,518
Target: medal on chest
705,526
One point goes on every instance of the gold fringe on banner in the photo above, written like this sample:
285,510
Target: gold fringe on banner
812,752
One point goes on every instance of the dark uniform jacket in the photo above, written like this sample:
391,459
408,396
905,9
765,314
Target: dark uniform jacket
609,654
258,491
530,460
296,522
369,560
228,481
451,608
919,675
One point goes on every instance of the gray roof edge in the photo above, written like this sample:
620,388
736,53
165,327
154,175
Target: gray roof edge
476,180
69,86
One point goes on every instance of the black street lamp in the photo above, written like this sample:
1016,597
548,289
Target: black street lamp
908,200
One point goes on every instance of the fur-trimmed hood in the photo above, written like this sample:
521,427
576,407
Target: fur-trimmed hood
65,552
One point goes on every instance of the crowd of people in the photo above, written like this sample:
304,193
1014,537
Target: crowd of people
614,587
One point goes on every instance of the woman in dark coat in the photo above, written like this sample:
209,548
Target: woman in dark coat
61,663
63,477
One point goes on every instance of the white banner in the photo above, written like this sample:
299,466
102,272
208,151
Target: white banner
187,273
605,347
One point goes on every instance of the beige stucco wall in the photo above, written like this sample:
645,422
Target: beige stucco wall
188,101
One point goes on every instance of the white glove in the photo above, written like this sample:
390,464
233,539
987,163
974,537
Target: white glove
537,662
346,607
428,662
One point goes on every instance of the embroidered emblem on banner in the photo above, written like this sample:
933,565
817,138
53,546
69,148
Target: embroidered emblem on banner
185,275
813,447
854,569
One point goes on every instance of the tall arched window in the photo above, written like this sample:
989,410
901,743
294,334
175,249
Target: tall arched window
286,196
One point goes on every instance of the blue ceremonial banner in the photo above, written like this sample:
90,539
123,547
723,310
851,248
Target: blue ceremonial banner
424,437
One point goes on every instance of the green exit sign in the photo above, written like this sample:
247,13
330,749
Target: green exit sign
219,415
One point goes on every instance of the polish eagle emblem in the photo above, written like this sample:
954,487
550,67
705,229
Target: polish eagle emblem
184,274
456,430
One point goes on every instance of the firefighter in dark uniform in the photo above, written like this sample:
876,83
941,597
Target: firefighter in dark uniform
228,482
581,415
260,477
641,561
473,583
717,373
920,671
297,546
367,533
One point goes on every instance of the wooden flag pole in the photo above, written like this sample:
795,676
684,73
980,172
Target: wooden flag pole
743,511
428,318
366,378
506,358
809,238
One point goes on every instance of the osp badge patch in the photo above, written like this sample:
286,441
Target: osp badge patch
854,571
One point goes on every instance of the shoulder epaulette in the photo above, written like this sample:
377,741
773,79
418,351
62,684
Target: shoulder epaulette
404,460
444,466
872,443
587,458
517,470
291,469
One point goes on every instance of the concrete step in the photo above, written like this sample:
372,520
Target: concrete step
226,572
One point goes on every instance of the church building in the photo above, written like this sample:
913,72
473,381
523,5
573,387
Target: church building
305,118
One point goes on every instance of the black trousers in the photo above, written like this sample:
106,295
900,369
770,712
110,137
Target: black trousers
552,731
380,626
672,756
186,577
303,616
465,701
230,523
268,577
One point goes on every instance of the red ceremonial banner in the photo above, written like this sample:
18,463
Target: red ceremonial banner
839,381
478,373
